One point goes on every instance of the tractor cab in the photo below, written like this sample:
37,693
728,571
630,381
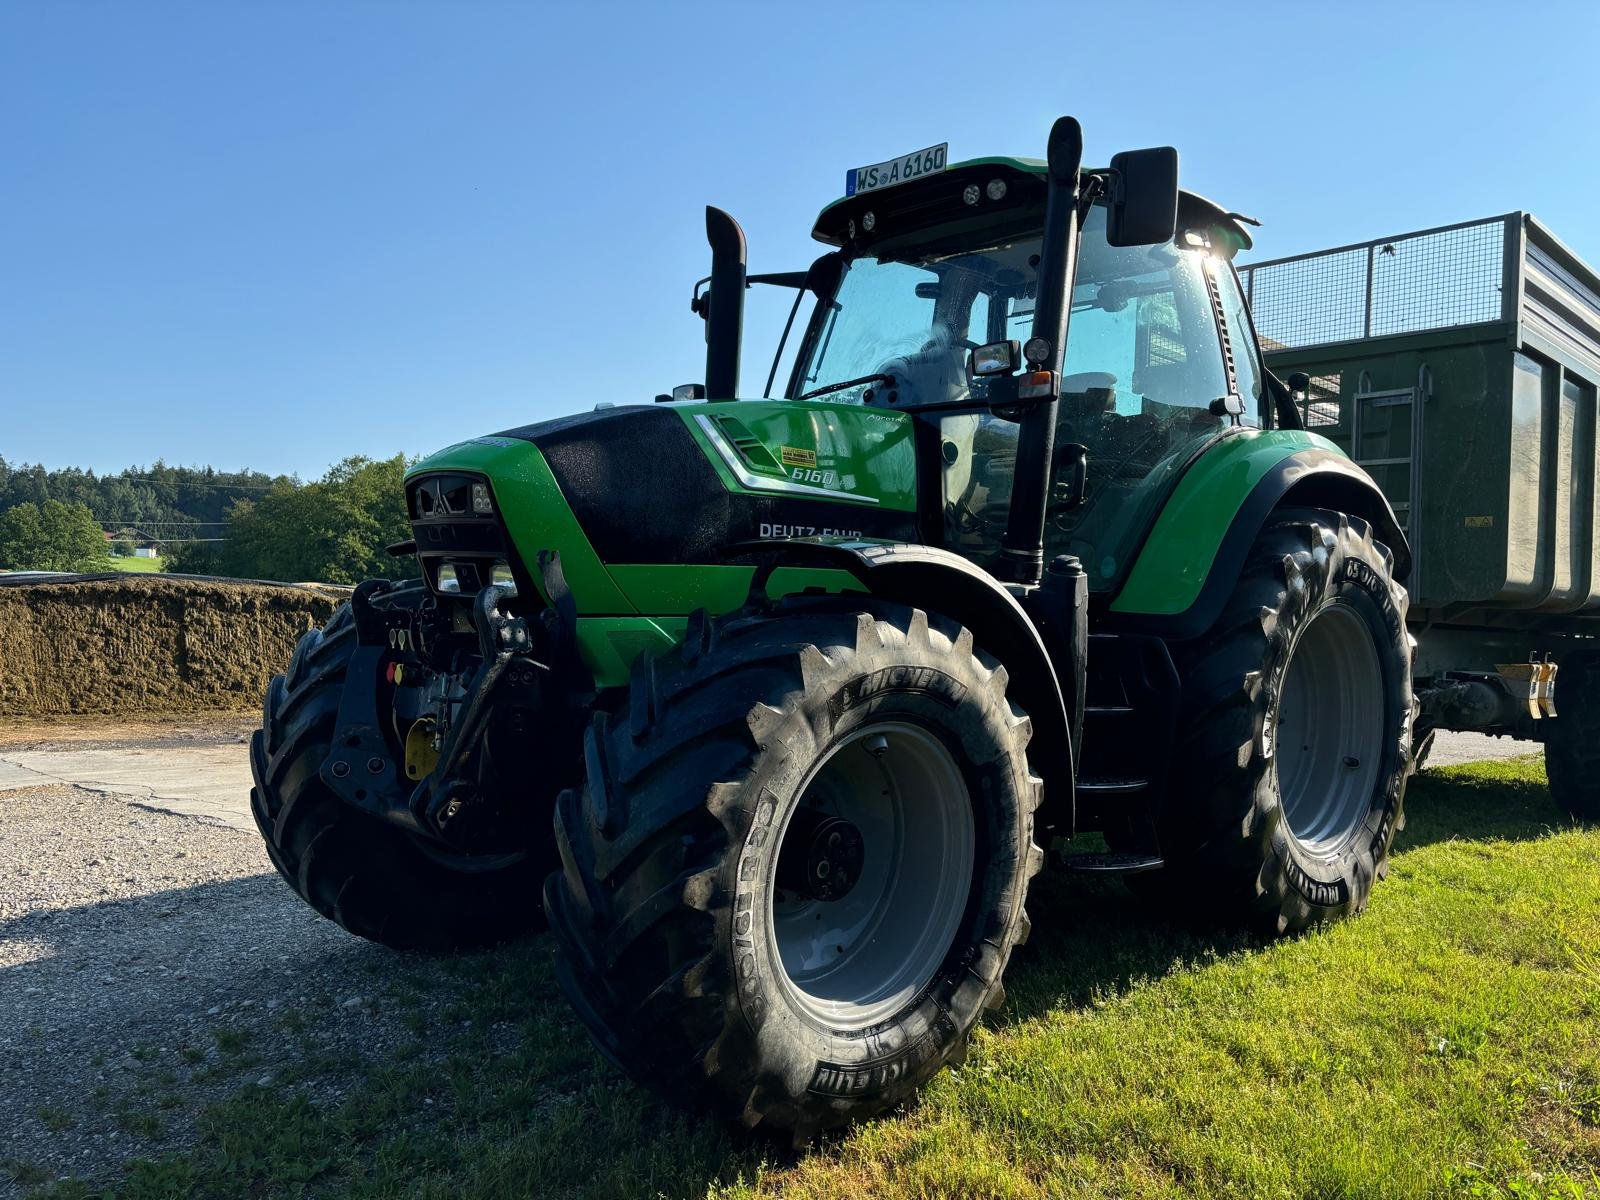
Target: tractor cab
930,305
937,292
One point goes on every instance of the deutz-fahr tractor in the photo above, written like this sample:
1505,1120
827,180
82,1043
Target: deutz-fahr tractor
769,705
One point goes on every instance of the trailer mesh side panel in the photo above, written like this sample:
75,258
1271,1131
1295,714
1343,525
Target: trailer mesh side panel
1438,280
1432,280
1309,301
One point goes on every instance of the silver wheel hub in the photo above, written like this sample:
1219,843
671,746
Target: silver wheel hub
1329,729
874,867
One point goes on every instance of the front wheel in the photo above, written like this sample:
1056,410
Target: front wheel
1294,737
797,868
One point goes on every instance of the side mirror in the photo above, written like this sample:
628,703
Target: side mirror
1299,383
1144,197
998,358
689,391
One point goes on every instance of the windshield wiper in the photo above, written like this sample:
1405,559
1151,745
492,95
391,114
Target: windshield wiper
845,383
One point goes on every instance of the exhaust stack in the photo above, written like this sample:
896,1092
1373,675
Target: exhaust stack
1022,548
725,315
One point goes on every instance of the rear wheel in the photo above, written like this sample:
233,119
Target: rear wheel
1572,741
797,868
373,878
1289,771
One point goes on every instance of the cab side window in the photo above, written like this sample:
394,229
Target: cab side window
1144,366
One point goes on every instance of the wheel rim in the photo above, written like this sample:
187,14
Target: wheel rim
887,808
1329,730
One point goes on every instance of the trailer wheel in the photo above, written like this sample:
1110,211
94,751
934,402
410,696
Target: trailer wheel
1572,741
372,878
797,867
1288,777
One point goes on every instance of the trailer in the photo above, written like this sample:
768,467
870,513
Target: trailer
1459,366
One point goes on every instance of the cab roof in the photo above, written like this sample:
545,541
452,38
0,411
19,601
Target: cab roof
937,200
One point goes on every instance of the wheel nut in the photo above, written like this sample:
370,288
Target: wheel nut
375,765
341,769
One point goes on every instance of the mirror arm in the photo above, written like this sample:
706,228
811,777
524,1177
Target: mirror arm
1094,187
788,279
1283,403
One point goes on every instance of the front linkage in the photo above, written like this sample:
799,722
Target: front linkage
430,684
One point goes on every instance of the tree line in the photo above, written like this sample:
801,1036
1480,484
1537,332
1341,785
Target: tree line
242,524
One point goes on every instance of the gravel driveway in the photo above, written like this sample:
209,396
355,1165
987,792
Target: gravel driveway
150,963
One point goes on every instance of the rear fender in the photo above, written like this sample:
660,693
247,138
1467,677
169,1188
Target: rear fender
930,578
1187,567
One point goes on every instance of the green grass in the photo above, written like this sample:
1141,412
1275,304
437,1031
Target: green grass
1445,1043
137,566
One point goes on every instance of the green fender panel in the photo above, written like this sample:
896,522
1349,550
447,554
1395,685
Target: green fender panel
1217,507
670,592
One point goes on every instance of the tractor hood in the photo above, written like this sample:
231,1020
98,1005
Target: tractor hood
667,486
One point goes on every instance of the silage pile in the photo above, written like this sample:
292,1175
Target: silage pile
148,644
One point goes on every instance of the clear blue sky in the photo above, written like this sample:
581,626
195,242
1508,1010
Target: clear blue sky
272,234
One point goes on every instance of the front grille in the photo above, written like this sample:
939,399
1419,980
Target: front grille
460,548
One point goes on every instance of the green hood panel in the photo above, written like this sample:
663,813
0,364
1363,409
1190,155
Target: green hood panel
1176,558
772,471
611,633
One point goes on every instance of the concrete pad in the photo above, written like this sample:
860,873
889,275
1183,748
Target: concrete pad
211,780
13,776
208,782
1452,749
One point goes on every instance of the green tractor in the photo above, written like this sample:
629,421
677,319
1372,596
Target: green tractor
767,706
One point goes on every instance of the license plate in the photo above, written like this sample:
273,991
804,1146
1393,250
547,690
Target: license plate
897,170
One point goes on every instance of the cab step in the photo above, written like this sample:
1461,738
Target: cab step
1111,786
1112,864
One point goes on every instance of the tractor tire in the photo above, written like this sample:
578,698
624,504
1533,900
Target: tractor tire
796,871
1293,748
1572,741
373,878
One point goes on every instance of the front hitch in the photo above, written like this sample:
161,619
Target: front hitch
502,640
362,769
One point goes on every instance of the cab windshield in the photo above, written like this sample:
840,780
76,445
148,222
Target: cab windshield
1144,363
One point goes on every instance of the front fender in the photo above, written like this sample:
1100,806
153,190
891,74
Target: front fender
1191,559
933,579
